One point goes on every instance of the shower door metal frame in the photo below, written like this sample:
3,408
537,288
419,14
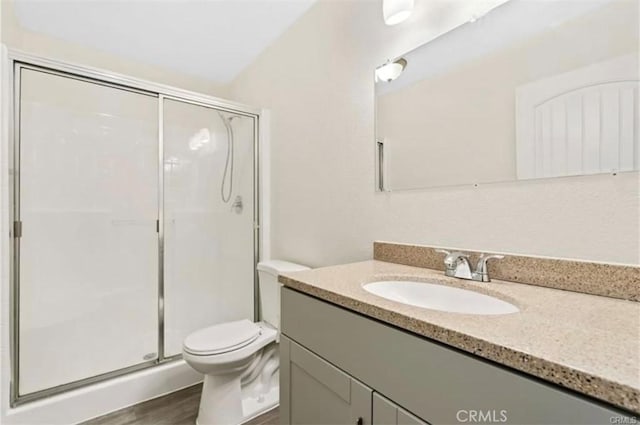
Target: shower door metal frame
16,61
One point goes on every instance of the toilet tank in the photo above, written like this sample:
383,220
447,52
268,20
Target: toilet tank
268,272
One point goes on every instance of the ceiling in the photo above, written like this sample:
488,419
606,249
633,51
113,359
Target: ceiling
212,39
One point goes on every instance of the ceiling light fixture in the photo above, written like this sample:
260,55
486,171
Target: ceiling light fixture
391,70
396,11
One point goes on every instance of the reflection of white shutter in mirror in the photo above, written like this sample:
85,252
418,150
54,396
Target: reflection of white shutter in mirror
579,122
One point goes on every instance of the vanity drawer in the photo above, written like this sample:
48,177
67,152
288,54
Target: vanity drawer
439,384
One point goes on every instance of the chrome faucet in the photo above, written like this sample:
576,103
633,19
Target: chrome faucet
456,264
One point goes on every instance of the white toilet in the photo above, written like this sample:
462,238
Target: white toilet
239,359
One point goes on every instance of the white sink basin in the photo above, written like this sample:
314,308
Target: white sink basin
439,297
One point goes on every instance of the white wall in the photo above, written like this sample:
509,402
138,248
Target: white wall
317,81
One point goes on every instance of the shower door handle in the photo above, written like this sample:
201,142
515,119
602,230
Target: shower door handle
17,229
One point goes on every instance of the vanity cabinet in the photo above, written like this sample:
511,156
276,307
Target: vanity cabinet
340,367
317,392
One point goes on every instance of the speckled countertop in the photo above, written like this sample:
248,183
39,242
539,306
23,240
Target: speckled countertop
588,343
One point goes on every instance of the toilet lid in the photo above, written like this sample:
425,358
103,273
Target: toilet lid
222,338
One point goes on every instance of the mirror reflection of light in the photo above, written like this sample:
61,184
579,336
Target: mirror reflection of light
200,139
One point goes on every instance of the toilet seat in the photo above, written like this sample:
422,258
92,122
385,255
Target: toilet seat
233,359
222,338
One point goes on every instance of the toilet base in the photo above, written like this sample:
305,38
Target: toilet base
223,409
235,398
221,400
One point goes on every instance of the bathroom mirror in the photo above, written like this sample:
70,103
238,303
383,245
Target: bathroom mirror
532,89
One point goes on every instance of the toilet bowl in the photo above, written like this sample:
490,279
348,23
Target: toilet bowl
239,359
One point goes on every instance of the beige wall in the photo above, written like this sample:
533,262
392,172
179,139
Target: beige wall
432,126
16,37
317,81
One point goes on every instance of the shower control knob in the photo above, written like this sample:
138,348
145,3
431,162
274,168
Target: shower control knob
237,205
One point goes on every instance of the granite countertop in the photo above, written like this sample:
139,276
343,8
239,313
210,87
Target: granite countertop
588,343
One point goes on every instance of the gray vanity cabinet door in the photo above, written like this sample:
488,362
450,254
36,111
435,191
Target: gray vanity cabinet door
385,412
314,392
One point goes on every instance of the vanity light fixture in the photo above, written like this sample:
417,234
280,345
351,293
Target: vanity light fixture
396,11
391,70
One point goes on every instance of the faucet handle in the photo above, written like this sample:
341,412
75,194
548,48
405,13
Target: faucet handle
486,257
453,258
481,268
449,266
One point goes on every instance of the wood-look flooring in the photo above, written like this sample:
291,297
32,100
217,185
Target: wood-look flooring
178,408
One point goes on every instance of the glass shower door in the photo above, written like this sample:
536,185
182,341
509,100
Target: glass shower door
208,243
88,271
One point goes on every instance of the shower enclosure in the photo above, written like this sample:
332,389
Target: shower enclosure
122,241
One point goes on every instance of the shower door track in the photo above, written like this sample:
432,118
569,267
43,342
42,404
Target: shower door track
16,61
